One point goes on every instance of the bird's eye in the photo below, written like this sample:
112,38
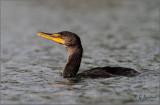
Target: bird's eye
59,36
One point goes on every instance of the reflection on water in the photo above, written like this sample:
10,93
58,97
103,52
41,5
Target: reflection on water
113,33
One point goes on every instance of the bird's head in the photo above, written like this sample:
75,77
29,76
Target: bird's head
66,38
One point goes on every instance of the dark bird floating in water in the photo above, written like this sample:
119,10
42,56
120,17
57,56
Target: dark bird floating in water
73,45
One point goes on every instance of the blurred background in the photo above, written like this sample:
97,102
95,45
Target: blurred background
113,33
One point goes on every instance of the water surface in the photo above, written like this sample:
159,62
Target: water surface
113,33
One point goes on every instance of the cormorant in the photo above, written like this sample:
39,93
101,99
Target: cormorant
75,50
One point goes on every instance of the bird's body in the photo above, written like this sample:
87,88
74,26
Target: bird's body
75,50
106,72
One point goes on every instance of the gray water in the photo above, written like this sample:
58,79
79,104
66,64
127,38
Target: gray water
113,33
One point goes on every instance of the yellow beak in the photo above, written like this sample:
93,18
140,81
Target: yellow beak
54,37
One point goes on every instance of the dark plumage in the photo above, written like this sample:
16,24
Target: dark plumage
105,72
73,45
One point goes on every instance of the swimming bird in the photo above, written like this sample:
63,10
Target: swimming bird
74,48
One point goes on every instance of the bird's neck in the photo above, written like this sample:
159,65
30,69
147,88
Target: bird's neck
73,61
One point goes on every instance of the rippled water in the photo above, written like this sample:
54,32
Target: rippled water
113,33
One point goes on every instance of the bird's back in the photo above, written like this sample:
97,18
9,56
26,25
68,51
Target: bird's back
106,72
